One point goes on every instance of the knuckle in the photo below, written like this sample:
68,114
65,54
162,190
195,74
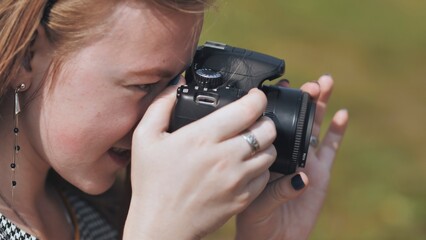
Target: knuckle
273,152
254,103
242,201
199,141
270,127
233,184
221,165
260,100
246,109
260,95
138,133
263,180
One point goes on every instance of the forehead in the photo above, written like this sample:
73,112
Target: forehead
143,34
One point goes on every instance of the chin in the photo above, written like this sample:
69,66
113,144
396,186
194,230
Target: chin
93,187
92,184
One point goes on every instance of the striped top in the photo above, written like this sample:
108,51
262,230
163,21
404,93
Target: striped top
91,224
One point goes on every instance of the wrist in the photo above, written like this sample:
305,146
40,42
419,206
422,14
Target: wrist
145,223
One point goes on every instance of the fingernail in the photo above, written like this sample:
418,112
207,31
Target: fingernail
297,182
316,82
342,116
284,82
327,74
345,110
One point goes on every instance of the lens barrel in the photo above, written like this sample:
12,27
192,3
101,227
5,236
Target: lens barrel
293,112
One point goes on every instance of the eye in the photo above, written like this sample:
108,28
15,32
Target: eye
175,80
144,87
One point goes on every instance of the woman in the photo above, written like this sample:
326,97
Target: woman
87,81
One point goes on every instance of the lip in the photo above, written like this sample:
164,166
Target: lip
122,159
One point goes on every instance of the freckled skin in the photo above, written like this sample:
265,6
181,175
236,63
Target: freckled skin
95,103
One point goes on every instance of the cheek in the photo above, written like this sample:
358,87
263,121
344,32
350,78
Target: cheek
85,131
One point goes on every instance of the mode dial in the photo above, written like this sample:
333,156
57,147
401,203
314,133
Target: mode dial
207,78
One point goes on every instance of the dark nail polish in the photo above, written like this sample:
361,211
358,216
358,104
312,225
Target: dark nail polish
316,82
297,182
284,81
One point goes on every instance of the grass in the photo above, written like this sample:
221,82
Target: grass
376,52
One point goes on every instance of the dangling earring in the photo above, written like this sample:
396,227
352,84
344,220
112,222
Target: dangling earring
16,147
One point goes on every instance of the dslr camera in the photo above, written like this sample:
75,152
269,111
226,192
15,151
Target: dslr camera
221,74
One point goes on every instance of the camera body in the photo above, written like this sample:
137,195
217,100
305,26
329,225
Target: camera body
221,74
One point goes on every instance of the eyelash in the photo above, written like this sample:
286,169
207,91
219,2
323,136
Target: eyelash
150,86
145,87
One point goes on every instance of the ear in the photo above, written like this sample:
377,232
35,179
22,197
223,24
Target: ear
36,60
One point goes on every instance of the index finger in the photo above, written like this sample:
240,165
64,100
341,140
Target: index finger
156,119
325,84
231,119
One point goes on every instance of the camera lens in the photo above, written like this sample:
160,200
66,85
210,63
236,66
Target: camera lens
293,112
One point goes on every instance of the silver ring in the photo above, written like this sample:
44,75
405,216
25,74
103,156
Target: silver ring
314,141
252,141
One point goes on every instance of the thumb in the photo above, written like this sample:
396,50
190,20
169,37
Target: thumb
280,191
157,117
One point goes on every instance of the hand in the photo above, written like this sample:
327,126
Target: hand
190,182
282,211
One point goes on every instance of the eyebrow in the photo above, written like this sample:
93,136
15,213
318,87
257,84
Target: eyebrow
161,72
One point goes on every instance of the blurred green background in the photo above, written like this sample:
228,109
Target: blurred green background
376,52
